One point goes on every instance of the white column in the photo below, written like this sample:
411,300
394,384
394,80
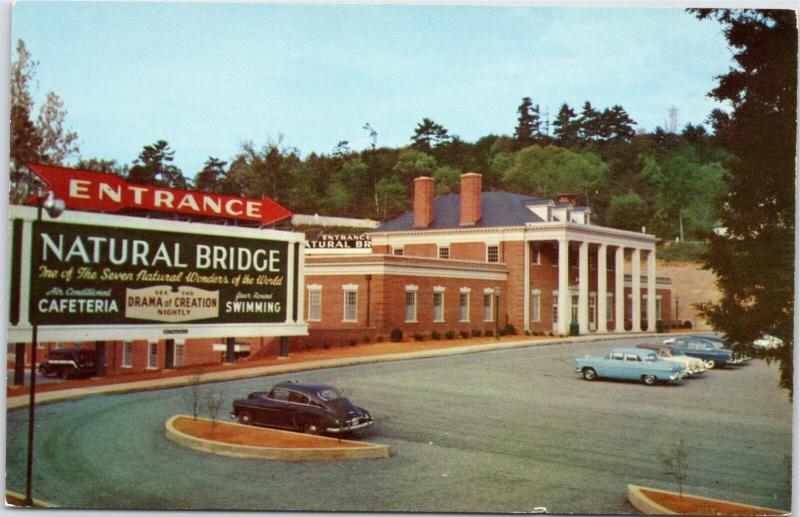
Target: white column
651,291
290,282
636,290
583,288
564,300
301,282
526,281
619,289
602,323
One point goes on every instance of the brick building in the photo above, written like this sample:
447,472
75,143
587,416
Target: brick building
441,265
470,262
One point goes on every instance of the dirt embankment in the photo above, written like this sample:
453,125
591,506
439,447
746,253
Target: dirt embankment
691,284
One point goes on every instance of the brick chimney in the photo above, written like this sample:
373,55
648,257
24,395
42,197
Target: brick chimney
566,197
423,201
470,212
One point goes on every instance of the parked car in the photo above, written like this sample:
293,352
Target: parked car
694,366
767,342
714,356
69,362
717,342
630,364
301,406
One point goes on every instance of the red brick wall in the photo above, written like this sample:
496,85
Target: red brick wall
468,251
421,250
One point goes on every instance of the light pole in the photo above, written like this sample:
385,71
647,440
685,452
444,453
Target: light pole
497,313
54,207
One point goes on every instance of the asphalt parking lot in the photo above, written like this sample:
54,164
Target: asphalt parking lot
503,431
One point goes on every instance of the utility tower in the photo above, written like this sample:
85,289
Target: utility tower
673,119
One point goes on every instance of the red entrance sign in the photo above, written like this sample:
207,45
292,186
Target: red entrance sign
100,192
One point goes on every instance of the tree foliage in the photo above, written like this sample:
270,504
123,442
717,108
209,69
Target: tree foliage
47,140
549,171
754,262
154,167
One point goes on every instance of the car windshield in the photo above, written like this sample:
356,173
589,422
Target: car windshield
329,394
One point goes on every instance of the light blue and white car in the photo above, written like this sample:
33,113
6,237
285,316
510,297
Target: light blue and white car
630,364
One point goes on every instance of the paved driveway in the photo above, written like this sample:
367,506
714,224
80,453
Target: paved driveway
502,431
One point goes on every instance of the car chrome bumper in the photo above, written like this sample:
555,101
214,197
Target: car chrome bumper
349,428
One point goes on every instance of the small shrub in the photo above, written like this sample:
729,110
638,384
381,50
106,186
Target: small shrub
509,330
687,324
464,334
659,326
527,332
326,346
488,333
307,346
352,342
551,334
418,336
396,336
628,325
674,463
366,339
436,335
476,332
450,334
379,339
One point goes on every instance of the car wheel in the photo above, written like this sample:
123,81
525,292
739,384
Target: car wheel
711,364
650,380
310,428
68,373
589,374
244,418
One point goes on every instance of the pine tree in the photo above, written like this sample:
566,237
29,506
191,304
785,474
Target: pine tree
428,134
754,262
566,126
589,123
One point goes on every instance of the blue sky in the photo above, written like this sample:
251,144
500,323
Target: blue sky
206,77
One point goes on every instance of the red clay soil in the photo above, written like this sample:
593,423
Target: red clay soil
256,436
688,505
334,352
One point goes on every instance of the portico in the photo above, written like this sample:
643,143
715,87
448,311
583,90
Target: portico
596,252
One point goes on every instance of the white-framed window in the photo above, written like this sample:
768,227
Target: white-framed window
397,251
536,306
463,304
555,307
644,307
152,356
314,302
350,302
488,305
438,304
179,354
536,254
127,355
609,306
411,304
444,252
492,253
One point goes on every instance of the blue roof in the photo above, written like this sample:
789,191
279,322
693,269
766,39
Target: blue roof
498,209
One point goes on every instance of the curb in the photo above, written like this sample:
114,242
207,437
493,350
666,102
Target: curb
21,401
649,507
333,453
37,503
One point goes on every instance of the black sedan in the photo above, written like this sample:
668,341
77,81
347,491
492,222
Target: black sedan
301,406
